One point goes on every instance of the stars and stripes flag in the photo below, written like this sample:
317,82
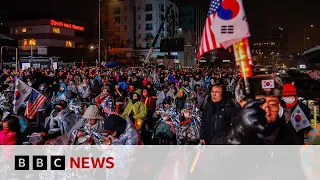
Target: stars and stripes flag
225,25
35,101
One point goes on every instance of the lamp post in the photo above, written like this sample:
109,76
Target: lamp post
304,36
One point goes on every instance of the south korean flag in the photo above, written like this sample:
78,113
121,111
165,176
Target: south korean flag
299,120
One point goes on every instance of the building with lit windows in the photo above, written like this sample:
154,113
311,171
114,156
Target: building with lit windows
269,45
50,33
47,38
139,23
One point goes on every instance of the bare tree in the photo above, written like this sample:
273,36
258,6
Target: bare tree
190,47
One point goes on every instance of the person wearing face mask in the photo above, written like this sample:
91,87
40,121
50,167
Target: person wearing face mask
91,122
135,110
290,105
62,91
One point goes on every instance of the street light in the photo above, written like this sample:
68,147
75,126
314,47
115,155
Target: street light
91,47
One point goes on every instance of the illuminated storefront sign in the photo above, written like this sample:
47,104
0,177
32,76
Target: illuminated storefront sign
66,25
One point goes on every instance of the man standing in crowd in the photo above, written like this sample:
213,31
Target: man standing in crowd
217,115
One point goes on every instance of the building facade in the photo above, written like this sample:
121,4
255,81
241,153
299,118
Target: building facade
140,20
269,45
50,33
192,18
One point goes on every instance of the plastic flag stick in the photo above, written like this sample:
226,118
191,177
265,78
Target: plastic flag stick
315,116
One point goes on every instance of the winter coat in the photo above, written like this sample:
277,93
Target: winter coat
216,119
150,103
8,137
139,108
287,133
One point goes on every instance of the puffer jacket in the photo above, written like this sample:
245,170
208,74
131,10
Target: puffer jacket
8,137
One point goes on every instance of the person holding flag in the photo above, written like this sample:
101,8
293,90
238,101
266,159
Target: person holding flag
296,116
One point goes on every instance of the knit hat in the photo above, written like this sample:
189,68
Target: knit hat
115,123
289,90
263,85
93,112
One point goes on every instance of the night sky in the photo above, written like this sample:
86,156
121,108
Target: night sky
293,15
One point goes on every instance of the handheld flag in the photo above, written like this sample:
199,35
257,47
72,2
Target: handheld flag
21,93
226,24
299,120
36,100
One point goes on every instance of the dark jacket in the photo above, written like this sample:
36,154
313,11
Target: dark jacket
287,134
216,119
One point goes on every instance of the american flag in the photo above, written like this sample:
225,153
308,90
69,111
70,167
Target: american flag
208,41
35,101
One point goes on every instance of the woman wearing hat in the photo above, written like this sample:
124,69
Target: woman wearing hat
135,110
90,124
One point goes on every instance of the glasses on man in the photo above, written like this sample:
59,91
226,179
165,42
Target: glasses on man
272,105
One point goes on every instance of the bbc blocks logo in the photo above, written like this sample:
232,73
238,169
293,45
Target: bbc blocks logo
60,163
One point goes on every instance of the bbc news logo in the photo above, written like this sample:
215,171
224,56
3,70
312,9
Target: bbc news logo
59,162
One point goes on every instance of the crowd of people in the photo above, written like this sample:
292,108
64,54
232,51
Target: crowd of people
148,105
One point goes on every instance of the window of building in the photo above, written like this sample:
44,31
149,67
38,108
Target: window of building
30,29
162,8
125,27
116,10
139,26
148,45
139,8
149,35
162,17
125,8
139,36
24,30
139,17
117,19
148,7
68,44
32,42
148,17
17,30
56,30
148,26
125,18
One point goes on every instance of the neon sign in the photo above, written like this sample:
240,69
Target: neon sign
66,25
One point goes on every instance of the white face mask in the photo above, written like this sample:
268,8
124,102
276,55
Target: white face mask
289,100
